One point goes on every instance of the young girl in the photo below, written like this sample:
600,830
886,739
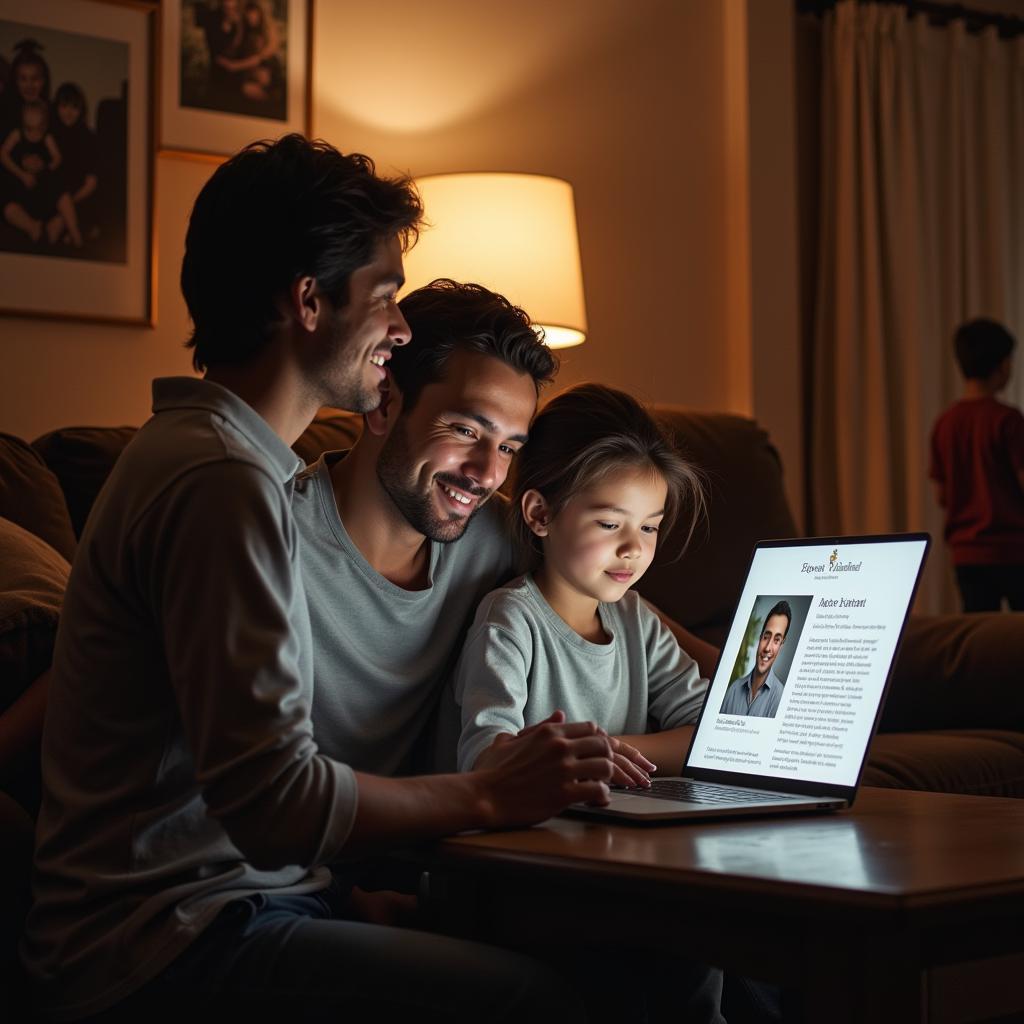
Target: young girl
77,145
595,485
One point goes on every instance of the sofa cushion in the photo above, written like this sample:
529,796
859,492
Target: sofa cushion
31,496
746,503
332,430
82,458
958,672
32,580
982,762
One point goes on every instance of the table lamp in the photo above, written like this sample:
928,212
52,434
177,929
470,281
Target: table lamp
512,233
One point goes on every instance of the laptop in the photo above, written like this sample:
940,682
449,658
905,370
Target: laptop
798,690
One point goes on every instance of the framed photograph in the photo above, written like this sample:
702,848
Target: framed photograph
233,71
76,160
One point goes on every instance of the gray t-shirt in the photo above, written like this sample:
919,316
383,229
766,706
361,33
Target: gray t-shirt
179,766
382,655
522,661
764,705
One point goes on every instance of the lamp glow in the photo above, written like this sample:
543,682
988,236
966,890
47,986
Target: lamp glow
512,233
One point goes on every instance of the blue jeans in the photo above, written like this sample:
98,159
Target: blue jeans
293,956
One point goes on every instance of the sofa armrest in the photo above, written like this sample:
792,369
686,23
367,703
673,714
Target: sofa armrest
958,672
31,496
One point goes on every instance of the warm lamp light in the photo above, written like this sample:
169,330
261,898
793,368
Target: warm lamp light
512,233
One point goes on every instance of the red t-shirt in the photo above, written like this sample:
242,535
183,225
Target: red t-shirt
977,454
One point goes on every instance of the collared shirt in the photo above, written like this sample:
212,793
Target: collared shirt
764,705
179,766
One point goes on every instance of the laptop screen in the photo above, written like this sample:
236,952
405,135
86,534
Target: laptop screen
803,672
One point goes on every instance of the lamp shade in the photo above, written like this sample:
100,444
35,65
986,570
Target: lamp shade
512,233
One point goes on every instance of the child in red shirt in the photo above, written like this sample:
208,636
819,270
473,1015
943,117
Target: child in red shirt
977,463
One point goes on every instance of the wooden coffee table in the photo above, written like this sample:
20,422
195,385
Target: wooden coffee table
909,907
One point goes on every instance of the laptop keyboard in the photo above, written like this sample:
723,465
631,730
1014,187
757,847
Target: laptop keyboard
707,793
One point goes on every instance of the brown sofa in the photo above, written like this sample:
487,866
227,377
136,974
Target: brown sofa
954,720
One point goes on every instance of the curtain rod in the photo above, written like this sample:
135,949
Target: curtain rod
1006,25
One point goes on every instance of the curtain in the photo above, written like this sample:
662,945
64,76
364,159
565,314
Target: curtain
921,226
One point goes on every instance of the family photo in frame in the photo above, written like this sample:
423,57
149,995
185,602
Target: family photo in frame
233,71
76,159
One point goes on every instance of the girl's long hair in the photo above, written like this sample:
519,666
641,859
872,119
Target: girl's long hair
587,432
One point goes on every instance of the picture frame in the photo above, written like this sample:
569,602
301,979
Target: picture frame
232,72
77,227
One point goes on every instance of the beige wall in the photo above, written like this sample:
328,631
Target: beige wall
626,104
627,99
58,374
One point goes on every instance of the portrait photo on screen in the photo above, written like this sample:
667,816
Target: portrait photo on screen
758,678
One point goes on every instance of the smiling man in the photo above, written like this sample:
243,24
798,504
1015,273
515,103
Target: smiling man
403,535
760,691
188,817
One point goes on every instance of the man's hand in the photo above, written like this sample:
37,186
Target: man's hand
630,768
493,755
517,781
545,768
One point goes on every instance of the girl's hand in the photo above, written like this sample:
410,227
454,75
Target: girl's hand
632,769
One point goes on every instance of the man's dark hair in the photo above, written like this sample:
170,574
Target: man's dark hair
781,608
981,346
444,316
275,212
